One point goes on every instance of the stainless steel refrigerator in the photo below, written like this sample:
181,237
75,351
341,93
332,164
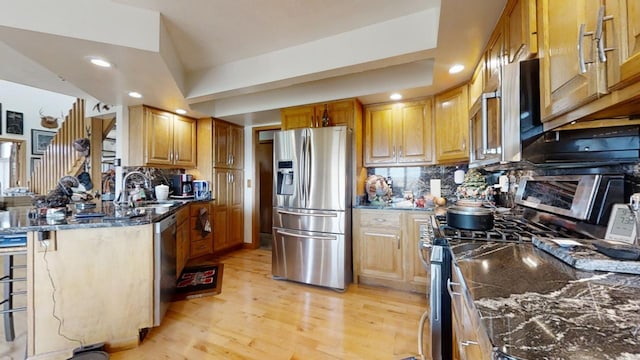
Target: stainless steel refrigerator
312,206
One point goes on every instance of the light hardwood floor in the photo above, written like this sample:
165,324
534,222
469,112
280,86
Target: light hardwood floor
256,317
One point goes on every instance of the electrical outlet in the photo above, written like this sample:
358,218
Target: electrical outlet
46,241
249,183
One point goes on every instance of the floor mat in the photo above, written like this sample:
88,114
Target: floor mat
199,281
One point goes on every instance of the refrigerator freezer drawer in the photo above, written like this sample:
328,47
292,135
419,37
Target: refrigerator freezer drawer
324,221
311,258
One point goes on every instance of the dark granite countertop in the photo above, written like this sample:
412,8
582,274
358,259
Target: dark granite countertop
16,220
534,306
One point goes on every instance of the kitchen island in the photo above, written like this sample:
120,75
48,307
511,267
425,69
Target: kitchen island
529,305
88,280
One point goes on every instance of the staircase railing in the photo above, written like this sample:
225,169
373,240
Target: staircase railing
60,158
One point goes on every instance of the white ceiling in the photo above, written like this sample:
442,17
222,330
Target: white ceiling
243,60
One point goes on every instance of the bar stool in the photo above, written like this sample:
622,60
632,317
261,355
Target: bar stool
10,246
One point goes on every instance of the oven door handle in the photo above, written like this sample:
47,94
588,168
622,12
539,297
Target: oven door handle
423,245
436,284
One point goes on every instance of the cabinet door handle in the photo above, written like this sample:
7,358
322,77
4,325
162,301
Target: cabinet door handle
399,151
468,342
393,152
233,160
464,144
599,30
581,61
177,155
450,285
398,241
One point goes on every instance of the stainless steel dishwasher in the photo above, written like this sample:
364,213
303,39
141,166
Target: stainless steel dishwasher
164,277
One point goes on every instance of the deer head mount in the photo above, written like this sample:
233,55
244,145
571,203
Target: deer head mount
99,107
49,122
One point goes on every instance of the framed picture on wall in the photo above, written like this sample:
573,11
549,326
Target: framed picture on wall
40,139
15,123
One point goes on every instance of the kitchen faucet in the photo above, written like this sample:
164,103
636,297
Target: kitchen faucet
124,193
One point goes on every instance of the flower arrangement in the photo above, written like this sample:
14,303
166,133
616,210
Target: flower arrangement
377,189
474,187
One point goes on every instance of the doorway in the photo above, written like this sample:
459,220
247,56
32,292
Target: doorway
262,218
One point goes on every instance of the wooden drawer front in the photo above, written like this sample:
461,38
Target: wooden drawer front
385,219
195,208
201,247
182,215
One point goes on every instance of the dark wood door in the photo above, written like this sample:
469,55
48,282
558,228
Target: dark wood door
264,158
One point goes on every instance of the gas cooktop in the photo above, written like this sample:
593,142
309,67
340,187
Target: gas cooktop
509,227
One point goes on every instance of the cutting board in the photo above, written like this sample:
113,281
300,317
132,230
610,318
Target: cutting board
585,257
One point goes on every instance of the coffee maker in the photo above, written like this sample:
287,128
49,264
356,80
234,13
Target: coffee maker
182,185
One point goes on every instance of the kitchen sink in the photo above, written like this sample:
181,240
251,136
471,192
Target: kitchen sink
158,207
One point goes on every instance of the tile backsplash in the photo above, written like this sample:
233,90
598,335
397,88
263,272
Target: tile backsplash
417,179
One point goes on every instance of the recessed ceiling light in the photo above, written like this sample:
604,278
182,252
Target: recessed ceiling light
456,69
100,62
135,94
181,111
395,96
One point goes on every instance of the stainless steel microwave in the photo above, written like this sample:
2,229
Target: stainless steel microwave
503,122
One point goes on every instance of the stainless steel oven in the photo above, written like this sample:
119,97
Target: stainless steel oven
164,274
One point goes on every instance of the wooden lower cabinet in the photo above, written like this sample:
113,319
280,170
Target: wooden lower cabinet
385,244
379,244
228,212
183,240
201,237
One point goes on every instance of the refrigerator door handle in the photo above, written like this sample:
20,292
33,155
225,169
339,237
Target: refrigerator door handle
307,214
281,232
303,158
308,164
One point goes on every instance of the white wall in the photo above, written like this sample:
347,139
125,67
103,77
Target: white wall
29,101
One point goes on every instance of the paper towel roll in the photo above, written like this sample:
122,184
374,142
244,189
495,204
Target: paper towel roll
435,185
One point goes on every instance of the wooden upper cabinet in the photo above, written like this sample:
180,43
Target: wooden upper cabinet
416,133
620,48
476,86
630,66
379,138
520,24
399,134
341,112
298,117
184,141
161,138
228,144
452,125
565,84
494,58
